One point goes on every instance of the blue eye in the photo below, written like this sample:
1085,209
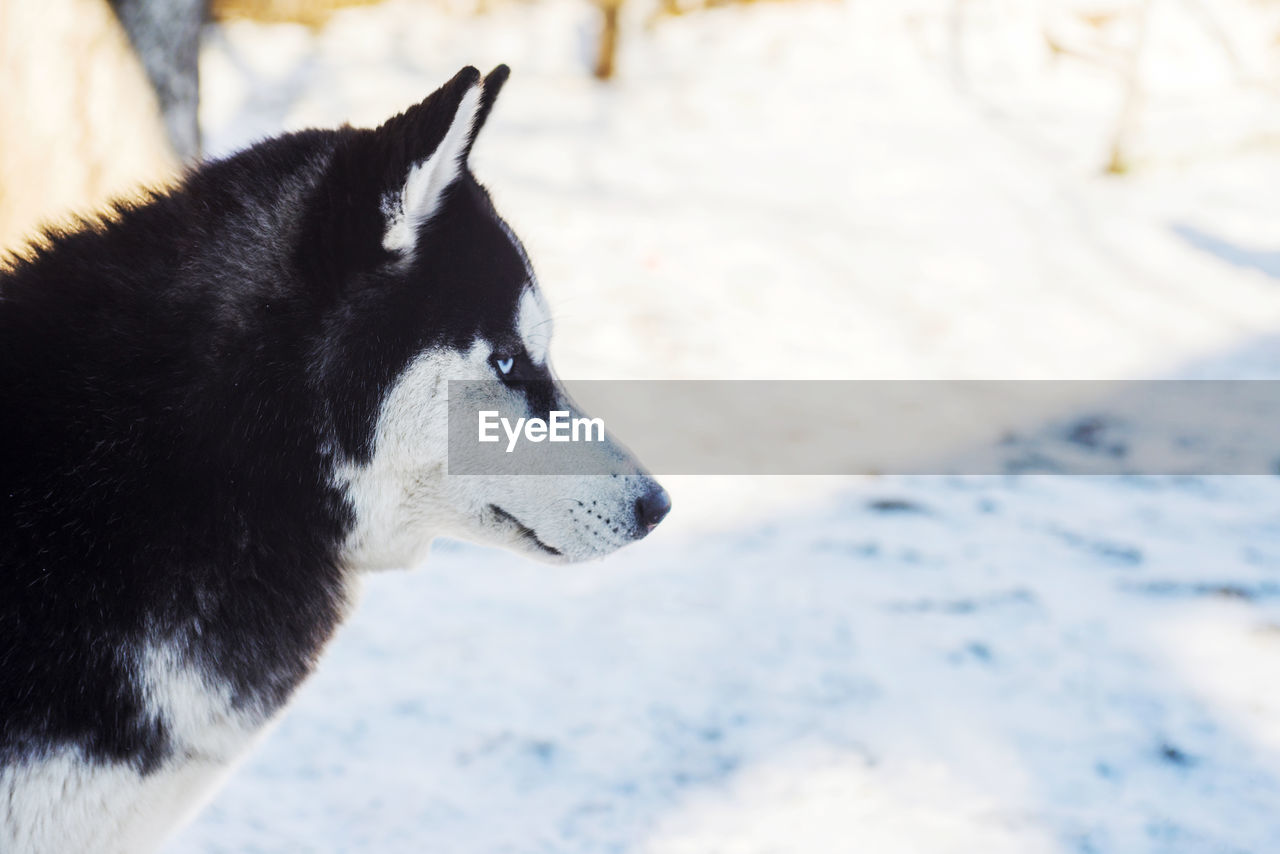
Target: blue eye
504,365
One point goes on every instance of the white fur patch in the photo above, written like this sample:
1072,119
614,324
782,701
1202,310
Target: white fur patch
61,801
198,715
399,497
420,196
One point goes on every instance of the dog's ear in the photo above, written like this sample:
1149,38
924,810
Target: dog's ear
384,184
426,150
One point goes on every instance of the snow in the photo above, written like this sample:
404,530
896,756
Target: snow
824,190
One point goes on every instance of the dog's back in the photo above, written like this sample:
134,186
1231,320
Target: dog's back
149,370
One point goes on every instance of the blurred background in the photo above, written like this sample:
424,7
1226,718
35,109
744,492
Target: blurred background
782,189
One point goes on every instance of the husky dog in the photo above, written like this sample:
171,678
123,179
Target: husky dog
220,408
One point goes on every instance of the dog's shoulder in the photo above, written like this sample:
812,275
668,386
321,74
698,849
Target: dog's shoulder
158,471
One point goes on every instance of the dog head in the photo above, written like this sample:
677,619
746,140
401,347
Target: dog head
433,286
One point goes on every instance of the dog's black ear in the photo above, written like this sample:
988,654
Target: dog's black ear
423,150
384,184
426,149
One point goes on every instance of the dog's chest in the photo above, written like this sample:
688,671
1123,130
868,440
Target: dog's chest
62,801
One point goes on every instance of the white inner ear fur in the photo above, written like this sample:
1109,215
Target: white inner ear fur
427,180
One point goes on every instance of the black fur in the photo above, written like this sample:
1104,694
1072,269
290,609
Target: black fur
178,381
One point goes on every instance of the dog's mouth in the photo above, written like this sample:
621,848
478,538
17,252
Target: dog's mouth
523,530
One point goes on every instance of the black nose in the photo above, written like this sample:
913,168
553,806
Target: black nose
652,508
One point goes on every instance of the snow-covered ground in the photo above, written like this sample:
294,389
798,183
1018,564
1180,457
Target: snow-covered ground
826,190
